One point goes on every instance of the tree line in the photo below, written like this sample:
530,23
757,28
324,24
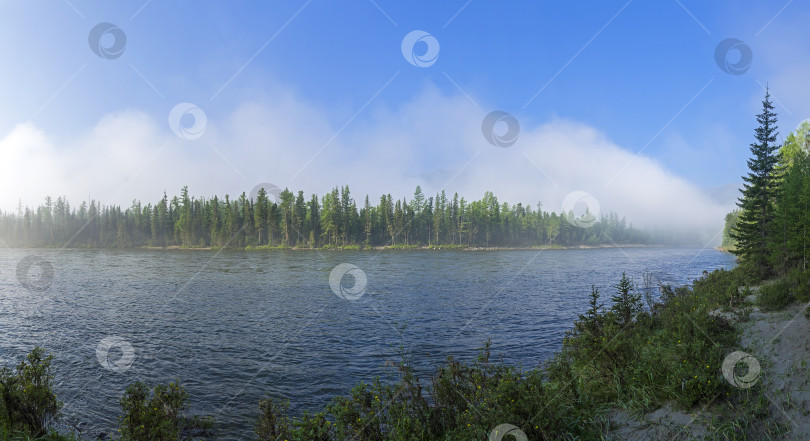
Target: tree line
770,230
288,219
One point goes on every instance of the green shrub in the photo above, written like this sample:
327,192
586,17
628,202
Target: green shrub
722,287
800,284
402,247
463,401
775,295
673,351
447,247
7,434
750,273
157,414
27,401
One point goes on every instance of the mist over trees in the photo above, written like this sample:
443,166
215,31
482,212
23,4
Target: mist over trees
290,219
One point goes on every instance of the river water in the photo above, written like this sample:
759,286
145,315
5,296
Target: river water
234,327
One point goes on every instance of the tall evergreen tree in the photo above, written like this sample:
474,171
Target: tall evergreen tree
260,216
315,222
299,216
286,205
754,226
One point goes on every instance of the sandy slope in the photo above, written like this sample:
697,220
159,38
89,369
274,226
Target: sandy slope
780,342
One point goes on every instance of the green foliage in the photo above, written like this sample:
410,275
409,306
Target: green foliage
27,401
775,295
771,231
331,221
592,321
800,284
726,288
626,303
730,225
28,407
791,235
796,144
154,415
463,402
446,247
753,230
52,435
673,352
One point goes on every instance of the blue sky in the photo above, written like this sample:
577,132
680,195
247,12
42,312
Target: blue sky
640,74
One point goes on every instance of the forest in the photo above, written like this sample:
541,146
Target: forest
770,229
282,218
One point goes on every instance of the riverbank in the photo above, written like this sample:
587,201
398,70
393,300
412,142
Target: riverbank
767,368
403,248
369,248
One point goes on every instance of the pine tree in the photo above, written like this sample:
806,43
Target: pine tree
367,221
286,206
260,216
754,227
793,216
299,216
626,304
591,321
315,221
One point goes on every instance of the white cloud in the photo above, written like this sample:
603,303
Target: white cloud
433,140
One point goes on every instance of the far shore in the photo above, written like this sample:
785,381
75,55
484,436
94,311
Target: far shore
385,248
410,248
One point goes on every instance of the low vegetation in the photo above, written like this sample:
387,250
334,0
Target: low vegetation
29,408
158,414
27,402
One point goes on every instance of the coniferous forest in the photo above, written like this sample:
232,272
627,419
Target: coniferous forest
770,230
287,219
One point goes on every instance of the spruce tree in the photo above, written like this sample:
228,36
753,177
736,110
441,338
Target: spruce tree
754,226
626,303
591,320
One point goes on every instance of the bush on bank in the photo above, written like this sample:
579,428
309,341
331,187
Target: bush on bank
158,414
27,402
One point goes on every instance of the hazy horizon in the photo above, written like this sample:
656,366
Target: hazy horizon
656,129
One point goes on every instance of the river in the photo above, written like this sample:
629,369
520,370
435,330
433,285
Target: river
236,326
